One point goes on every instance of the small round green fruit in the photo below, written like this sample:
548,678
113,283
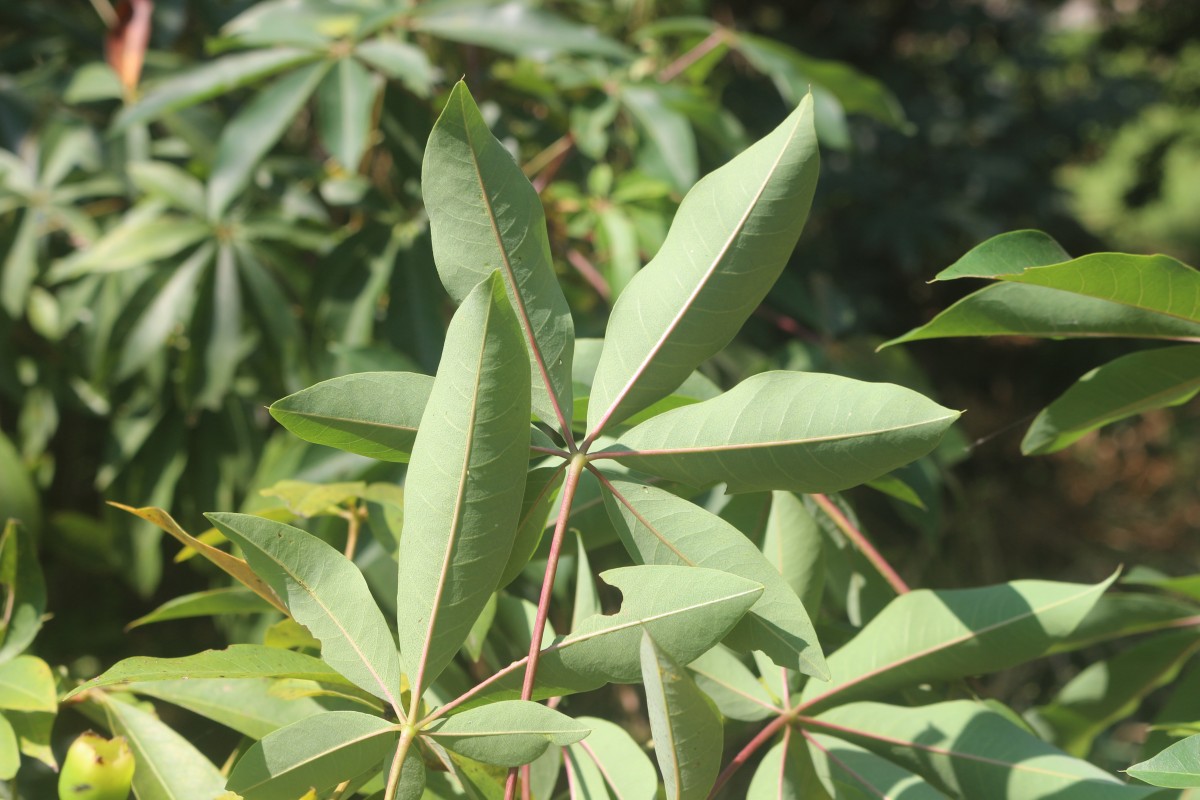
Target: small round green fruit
96,769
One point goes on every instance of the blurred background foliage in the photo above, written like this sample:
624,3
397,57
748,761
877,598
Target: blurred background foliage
185,240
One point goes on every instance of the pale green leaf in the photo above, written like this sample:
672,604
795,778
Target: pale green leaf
464,486
145,234
508,733
236,661
659,528
34,730
729,242
805,432
21,578
251,706
163,180
209,603
209,80
609,764
1108,691
929,635
484,216
27,684
168,766
668,133
400,60
541,490
688,738
730,684
1177,767
587,601
686,609
792,543
318,752
1018,309
254,130
1123,387
513,27
345,106
1006,254
10,750
849,771
306,499
373,414
325,593
970,750
787,772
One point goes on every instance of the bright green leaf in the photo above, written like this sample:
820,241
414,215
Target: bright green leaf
21,579
1006,254
1177,767
212,602
27,684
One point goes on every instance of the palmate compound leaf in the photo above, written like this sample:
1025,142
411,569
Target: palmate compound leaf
686,609
659,528
465,484
688,737
325,592
484,215
1177,767
728,244
318,752
508,734
928,635
971,750
798,431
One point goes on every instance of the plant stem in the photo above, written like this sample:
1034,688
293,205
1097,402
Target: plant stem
862,543
570,484
750,749
590,274
353,517
706,45
407,735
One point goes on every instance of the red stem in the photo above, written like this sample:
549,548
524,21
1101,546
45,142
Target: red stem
750,749
570,484
862,543
706,45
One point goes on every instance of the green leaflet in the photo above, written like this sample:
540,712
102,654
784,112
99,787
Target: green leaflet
727,245
805,432
847,770
541,490
787,772
484,216
254,130
1177,767
609,763
519,29
168,766
659,528
253,707
508,733
21,578
1006,254
731,685
1108,691
792,543
686,609
465,483
318,752
210,80
230,600
688,739
1123,387
928,635
373,414
236,661
27,684
972,751
345,102
326,593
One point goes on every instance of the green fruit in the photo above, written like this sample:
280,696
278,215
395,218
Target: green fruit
96,769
